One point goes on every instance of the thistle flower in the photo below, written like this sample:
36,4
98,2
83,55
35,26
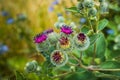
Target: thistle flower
58,58
42,43
40,38
66,30
81,41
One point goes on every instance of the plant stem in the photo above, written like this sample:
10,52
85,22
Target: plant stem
117,70
61,75
94,54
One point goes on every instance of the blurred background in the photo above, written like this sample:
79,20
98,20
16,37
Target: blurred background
20,20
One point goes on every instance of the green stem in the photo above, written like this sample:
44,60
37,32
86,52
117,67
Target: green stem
116,70
61,75
94,54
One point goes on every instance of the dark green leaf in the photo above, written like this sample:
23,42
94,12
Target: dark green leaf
117,19
109,76
73,9
19,76
93,38
110,65
102,24
101,46
84,75
85,30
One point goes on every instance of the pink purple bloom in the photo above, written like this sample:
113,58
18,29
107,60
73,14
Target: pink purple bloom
40,38
66,29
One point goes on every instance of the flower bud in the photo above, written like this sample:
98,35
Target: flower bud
116,46
53,37
43,46
61,19
92,12
81,41
31,66
57,25
117,39
58,58
88,3
80,6
72,24
104,7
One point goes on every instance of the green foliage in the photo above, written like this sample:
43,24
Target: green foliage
73,9
20,76
102,24
110,65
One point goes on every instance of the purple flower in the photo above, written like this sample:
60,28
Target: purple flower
66,29
40,38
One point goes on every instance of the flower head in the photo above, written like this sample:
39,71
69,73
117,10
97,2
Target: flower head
66,29
64,43
81,41
58,58
40,38
81,37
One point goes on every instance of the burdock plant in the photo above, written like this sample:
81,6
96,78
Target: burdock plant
76,53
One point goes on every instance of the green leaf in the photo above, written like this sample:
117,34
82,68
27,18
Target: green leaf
84,75
101,47
117,19
85,30
110,65
102,24
20,76
73,9
93,38
109,76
